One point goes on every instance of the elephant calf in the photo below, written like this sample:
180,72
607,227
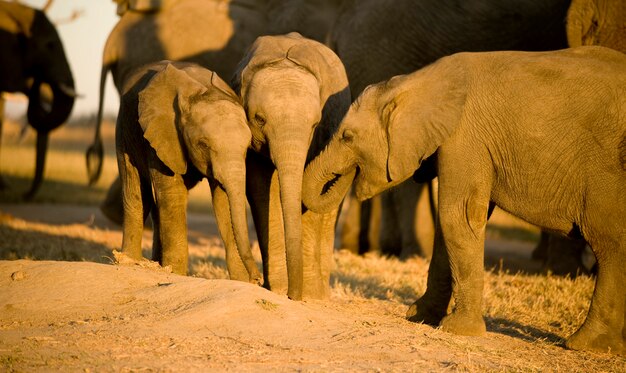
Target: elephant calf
541,135
178,123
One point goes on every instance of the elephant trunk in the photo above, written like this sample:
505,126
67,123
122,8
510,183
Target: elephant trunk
289,161
44,121
237,204
323,188
40,162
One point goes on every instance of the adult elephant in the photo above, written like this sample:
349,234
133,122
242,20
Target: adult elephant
377,41
211,33
34,63
295,92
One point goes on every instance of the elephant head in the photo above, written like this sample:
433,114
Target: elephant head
597,22
33,62
291,88
389,131
196,107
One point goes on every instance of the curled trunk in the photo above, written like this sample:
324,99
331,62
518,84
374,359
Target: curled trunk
44,120
326,182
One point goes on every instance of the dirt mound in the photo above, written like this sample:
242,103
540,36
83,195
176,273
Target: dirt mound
81,315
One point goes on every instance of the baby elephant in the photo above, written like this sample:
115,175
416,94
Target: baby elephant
178,123
541,135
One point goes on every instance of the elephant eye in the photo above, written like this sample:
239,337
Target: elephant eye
204,145
347,136
258,118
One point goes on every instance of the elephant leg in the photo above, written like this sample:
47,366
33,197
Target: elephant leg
369,236
113,207
390,235
3,184
604,328
424,222
431,307
137,200
351,224
405,199
263,194
541,251
457,263
236,269
157,245
564,255
318,236
170,217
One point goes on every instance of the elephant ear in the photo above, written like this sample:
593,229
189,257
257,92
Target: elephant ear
162,103
582,19
221,85
426,108
210,79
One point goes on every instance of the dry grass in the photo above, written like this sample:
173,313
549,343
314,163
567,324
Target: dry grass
542,310
65,178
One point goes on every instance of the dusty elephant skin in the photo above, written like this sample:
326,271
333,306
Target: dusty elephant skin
295,92
541,135
178,123
33,62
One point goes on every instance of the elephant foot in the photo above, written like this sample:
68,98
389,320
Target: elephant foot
423,311
462,323
586,339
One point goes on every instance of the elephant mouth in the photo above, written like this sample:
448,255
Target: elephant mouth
331,183
339,181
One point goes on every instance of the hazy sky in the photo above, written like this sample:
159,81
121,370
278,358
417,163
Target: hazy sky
83,40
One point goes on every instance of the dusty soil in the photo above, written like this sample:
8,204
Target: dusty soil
71,310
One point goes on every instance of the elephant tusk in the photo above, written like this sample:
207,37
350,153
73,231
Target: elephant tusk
69,91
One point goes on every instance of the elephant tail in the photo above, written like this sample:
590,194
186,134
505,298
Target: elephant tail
95,152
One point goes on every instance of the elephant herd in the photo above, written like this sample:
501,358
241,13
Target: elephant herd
289,105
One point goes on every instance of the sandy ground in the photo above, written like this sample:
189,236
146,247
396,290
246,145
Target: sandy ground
87,315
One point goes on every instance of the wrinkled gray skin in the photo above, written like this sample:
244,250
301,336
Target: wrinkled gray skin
423,31
295,92
33,62
478,117
212,33
177,124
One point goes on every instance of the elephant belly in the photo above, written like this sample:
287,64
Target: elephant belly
547,207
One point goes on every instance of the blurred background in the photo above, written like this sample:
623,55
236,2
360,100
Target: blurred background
84,26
